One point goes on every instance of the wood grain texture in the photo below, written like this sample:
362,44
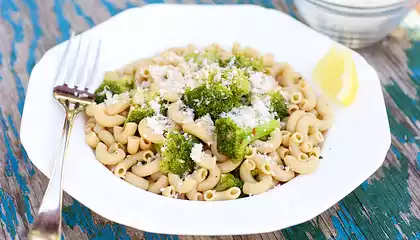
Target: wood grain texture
384,207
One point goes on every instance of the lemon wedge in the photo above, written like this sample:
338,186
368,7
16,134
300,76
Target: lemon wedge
336,75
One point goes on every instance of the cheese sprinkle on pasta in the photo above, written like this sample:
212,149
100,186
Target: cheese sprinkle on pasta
201,123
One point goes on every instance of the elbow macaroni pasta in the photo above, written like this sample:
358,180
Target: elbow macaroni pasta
147,169
147,133
228,166
122,134
271,144
229,194
211,181
132,146
265,183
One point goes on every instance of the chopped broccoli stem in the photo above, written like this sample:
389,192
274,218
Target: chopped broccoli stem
212,98
278,105
137,114
113,84
228,180
175,154
263,130
232,140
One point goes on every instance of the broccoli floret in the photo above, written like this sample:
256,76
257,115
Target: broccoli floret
242,61
232,140
175,153
278,105
114,84
164,107
239,84
246,100
212,98
227,180
138,113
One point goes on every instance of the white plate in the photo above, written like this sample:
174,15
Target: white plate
355,147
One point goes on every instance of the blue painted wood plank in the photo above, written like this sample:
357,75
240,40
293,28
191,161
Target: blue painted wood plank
82,14
62,23
77,215
7,9
112,9
37,33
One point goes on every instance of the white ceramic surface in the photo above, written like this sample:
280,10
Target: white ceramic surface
355,147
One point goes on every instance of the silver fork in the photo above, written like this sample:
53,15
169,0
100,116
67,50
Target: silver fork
72,92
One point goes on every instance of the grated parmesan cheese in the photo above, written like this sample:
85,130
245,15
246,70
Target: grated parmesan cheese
159,123
117,98
155,105
262,83
189,113
250,116
207,121
196,152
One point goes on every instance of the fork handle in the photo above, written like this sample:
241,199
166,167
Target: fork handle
47,225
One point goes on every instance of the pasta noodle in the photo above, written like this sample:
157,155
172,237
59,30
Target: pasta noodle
122,134
182,186
106,137
116,108
133,144
136,180
207,124
271,144
281,174
306,125
282,151
228,166
245,171
147,169
211,181
310,96
144,144
324,110
262,163
107,120
156,176
207,161
155,187
229,194
121,168
293,120
266,181
92,140
302,166
147,133
107,158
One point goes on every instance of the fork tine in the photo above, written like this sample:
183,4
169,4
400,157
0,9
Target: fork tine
81,76
92,86
61,70
70,77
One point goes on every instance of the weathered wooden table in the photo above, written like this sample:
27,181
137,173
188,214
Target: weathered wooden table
384,207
